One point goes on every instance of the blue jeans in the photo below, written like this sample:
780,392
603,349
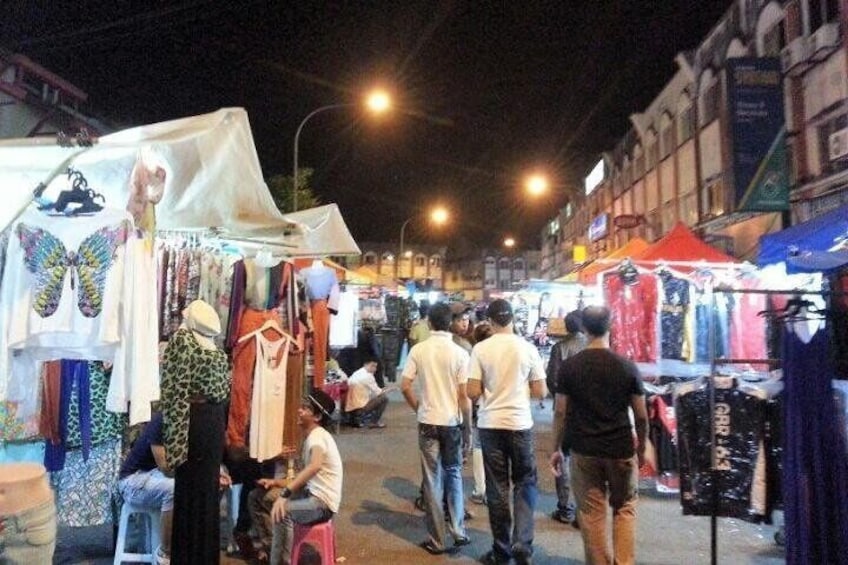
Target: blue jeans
148,489
508,455
441,469
30,536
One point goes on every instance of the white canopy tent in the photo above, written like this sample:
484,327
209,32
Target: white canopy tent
213,180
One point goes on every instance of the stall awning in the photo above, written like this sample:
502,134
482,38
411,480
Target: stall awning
631,249
213,176
680,245
818,245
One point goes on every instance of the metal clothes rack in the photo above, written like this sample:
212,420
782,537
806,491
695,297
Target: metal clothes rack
716,361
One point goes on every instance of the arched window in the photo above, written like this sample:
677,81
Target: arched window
420,260
387,257
435,261
370,258
685,118
518,264
708,98
666,135
503,264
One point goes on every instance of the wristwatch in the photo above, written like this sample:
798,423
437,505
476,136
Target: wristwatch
285,493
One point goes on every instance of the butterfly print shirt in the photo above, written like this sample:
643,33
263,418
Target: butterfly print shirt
82,288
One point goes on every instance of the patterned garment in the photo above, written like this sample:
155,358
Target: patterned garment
84,488
193,282
104,425
46,257
170,309
188,370
12,428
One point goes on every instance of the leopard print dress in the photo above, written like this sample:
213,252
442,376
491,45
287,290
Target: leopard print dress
188,370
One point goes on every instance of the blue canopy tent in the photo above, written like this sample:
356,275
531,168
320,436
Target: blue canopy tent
818,245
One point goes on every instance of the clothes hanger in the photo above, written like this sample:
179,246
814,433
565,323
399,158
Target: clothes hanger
79,193
269,324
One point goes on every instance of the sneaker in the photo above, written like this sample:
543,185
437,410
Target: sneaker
477,498
162,558
564,517
460,542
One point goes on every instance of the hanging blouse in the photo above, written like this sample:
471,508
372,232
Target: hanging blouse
633,325
188,370
71,289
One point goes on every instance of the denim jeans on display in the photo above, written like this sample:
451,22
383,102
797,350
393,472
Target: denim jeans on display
593,479
29,537
509,455
305,510
441,469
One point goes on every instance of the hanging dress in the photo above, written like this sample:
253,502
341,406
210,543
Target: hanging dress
268,402
814,454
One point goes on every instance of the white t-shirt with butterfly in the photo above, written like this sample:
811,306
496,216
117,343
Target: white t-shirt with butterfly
82,288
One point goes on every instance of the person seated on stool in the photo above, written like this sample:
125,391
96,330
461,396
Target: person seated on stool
366,401
315,493
143,481
260,501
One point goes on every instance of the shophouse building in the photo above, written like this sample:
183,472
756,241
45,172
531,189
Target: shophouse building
36,102
485,273
420,262
777,69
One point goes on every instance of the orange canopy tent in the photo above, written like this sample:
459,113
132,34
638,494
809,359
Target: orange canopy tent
632,249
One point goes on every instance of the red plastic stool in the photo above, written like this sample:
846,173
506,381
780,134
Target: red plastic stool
321,537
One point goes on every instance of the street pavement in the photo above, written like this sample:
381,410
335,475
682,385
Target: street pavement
379,524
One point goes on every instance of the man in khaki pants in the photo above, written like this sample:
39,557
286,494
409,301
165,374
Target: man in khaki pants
597,388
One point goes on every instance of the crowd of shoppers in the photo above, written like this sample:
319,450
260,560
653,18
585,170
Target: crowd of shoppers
453,367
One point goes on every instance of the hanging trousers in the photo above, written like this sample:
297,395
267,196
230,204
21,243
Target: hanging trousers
320,337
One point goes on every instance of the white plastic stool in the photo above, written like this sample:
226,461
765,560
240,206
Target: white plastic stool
152,526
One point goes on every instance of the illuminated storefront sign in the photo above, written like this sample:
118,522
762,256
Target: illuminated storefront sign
595,178
599,227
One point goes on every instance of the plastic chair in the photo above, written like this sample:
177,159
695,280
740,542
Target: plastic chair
322,538
152,526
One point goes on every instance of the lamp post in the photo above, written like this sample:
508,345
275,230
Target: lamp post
377,102
437,216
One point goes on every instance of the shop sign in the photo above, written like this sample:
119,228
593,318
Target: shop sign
578,254
599,227
758,134
595,178
628,221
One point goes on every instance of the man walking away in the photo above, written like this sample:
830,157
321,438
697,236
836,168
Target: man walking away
441,368
573,343
596,390
506,371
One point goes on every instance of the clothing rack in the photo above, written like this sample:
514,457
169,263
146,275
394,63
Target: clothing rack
715,361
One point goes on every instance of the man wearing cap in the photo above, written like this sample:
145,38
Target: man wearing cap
505,372
461,319
441,368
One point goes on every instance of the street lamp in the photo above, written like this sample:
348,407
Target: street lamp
537,184
438,216
509,242
378,101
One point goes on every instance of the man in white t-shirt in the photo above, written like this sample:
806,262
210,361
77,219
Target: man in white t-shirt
441,368
366,401
315,493
505,372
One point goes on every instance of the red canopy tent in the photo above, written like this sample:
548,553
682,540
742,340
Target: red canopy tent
681,247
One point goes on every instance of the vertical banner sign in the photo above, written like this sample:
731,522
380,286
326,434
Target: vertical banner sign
758,134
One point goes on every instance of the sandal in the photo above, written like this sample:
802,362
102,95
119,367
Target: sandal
431,548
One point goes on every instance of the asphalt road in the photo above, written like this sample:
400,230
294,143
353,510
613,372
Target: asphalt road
378,523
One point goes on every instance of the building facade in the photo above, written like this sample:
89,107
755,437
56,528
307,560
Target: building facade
422,263
36,102
480,275
683,157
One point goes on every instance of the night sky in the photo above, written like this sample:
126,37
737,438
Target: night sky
485,91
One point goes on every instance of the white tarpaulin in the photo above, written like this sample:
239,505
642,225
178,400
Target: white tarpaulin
213,179
322,231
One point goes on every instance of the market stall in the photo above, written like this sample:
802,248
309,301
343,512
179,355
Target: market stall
162,214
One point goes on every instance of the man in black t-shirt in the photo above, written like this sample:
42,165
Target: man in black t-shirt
596,389
142,481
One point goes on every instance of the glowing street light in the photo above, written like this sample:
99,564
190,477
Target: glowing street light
377,102
438,215
537,184
509,242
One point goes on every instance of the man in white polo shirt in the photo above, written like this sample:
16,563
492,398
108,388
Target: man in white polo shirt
441,368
